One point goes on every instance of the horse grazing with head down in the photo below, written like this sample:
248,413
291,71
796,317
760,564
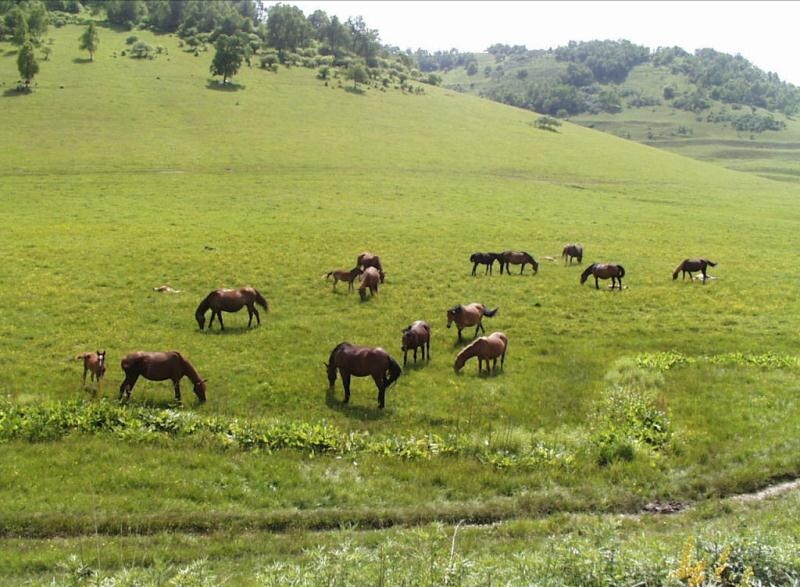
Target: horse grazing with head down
361,361
604,271
517,258
486,348
690,266
487,259
94,363
367,259
230,300
159,366
572,251
469,315
370,279
417,335
344,275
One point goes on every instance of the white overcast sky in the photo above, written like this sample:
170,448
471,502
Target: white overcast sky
764,32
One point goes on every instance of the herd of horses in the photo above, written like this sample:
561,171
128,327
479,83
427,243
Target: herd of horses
349,360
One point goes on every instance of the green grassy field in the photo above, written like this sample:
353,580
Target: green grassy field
123,175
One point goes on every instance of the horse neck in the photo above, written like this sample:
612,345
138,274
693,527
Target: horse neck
189,371
204,305
468,352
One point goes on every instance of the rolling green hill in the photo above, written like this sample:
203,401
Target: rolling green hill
120,175
638,110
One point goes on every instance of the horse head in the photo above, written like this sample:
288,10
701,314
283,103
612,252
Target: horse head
201,320
200,390
409,338
452,313
535,264
101,362
587,272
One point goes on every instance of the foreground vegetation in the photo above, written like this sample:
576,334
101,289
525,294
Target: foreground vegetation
122,175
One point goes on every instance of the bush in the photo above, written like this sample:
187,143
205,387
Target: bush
142,50
131,40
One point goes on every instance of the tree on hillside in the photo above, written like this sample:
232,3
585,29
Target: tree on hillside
38,20
228,58
335,37
27,64
19,34
89,40
365,41
358,74
287,28
125,12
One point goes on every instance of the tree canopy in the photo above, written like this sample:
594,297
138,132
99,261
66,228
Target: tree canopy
89,40
26,63
228,58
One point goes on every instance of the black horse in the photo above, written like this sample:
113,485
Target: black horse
487,259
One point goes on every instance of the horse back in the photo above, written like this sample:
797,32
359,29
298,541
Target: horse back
362,361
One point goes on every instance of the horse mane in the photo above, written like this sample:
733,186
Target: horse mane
470,348
191,372
336,349
204,305
455,309
587,272
678,269
260,300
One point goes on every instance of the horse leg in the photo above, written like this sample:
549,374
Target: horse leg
459,334
177,384
415,355
474,267
380,383
219,317
84,375
405,357
596,283
480,325
502,360
258,317
521,268
127,386
346,384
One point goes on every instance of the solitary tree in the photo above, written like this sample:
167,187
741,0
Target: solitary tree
27,64
358,74
228,58
89,40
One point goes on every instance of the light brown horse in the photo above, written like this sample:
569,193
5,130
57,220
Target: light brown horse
361,361
417,335
367,259
690,266
370,279
469,315
486,348
572,251
344,275
95,364
517,258
230,300
158,366
604,271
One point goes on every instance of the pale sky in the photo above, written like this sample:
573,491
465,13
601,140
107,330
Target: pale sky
763,32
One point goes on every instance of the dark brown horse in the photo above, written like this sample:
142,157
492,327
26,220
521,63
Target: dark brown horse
360,361
230,300
487,259
370,279
159,366
572,251
604,271
690,266
517,258
486,348
469,315
346,276
94,363
417,335
367,259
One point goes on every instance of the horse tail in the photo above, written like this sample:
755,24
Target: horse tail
678,270
394,372
621,271
490,313
710,262
261,301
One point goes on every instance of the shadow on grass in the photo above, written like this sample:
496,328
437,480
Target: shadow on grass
14,92
362,413
217,85
229,331
412,366
356,91
10,53
82,60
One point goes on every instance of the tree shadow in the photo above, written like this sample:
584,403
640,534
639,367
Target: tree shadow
356,412
14,92
82,60
218,86
356,91
10,52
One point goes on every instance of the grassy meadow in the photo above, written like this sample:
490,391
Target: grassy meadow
121,175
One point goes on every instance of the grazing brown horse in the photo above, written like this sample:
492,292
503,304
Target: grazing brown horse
604,271
469,315
487,259
572,251
230,300
94,363
417,335
370,279
517,258
367,259
345,275
159,366
360,361
691,265
486,348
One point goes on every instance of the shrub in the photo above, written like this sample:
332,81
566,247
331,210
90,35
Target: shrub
131,40
142,50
